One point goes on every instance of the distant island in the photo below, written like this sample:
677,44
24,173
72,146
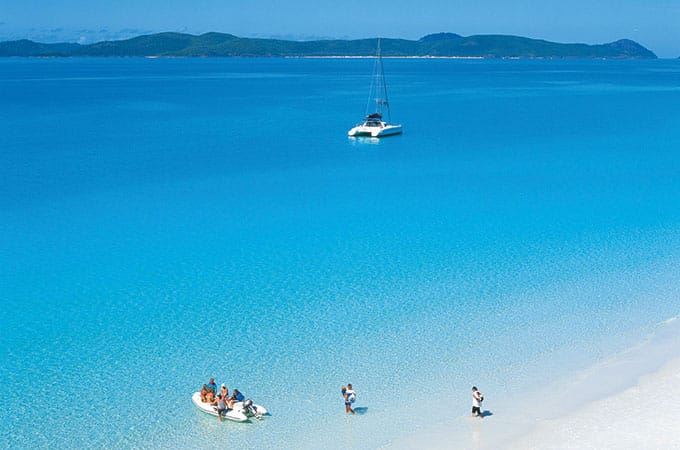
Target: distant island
449,45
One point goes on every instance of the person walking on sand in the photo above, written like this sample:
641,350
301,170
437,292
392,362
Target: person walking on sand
477,398
350,398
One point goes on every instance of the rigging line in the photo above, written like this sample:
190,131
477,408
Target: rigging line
384,84
370,90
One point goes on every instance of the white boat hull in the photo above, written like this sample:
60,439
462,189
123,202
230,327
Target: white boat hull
237,413
375,131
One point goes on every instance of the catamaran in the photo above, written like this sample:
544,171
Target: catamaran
374,125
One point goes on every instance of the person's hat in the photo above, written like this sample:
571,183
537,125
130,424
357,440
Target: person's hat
223,385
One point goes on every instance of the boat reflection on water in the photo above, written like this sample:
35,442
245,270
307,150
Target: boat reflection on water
362,140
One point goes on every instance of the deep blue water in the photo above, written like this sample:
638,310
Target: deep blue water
164,221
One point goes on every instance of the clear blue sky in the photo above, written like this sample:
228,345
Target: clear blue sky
653,23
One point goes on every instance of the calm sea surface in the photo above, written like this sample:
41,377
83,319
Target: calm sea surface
165,221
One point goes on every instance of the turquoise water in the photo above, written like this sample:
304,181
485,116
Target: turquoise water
165,221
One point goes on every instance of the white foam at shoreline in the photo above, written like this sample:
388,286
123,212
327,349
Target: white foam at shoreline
621,402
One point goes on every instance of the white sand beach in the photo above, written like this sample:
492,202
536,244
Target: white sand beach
644,416
627,401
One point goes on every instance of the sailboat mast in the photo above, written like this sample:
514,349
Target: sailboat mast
383,85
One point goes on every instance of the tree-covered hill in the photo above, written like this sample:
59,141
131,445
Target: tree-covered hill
434,45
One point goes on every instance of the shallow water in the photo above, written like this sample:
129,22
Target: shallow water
168,220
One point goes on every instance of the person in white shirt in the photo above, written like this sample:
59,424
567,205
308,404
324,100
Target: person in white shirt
350,397
477,398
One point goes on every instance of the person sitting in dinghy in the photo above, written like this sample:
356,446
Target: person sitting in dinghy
212,386
210,396
236,397
204,394
225,395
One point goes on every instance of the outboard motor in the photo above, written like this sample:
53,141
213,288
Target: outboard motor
251,409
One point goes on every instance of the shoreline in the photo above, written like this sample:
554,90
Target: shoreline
401,57
606,405
489,58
